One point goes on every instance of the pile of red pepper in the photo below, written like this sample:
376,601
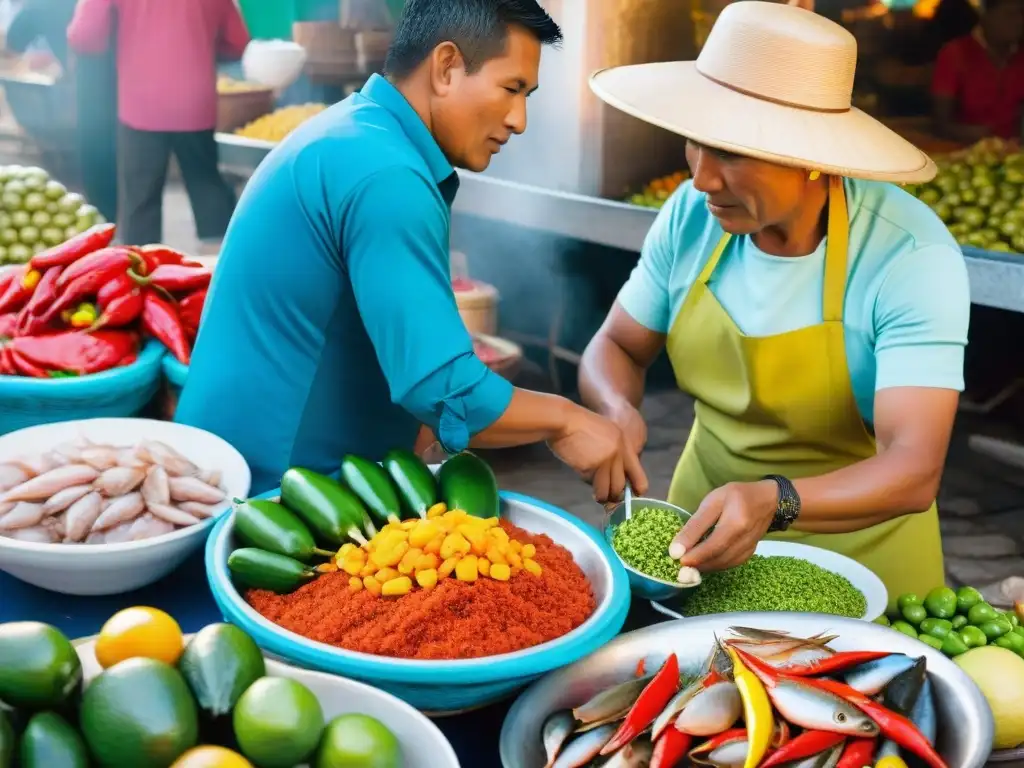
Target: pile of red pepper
83,306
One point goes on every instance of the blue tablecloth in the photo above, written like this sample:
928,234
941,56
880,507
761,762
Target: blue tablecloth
186,596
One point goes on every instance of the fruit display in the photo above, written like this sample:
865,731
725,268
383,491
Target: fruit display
159,701
654,194
977,193
37,212
762,699
82,307
87,493
279,123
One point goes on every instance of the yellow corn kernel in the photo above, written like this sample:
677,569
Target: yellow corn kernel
326,568
475,536
447,567
352,566
529,550
500,572
455,516
495,555
392,557
410,557
355,584
483,566
423,533
345,549
466,570
426,578
372,585
386,574
437,510
433,547
454,544
492,522
427,561
514,559
368,570
515,546
408,525
531,566
396,587
498,533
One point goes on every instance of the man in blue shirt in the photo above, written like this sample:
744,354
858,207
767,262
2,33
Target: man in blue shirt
331,326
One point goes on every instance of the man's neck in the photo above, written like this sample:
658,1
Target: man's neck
801,234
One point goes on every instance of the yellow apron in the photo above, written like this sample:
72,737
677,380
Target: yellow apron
784,404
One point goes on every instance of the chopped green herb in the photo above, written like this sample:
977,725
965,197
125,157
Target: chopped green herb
642,542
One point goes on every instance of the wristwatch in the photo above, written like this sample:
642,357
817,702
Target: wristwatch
788,509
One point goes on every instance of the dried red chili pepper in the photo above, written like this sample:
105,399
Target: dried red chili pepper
89,283
806,744
119,285
106,262
8,325
160,319
78,246
161,254
29,319
190,310
648,706
175,277
670,748
6,279
7,362
24,365
837,662
857,754
75,351
121,311
19,290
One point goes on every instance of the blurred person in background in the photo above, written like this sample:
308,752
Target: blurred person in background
167,55
978,84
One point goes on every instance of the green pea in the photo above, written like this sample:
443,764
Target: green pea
934,642
906,629
883,620
908,599
1012,642
953,645
959,621
1014,620
936,627
996,628
967,598
979,613
914,614
973,637
941,603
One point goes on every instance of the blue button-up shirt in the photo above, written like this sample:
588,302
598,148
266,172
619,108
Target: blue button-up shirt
331,326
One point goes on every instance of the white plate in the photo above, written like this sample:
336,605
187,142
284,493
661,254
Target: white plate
107,569
862,578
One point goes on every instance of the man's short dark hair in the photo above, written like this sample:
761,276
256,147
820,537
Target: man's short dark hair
478,27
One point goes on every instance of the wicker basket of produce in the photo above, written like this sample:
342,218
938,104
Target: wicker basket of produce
241,103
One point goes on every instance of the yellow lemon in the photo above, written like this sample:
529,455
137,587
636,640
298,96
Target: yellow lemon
139,631
211,757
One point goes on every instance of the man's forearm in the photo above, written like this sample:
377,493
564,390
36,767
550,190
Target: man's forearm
609,376
531,417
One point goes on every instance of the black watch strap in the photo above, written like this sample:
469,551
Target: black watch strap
788,509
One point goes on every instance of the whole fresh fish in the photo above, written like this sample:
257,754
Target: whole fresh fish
96,538
119,480
727,750
172,515
99,457
35,535
82,516
799,657
923,713
556,731
585,747
636,754
155,488
712,710
42,487
611,701
24,515
194,508
760,634
674,707
118,535
61,500
168,458
194,489
827,759
817,710
121,510
872,677
147,525
12,475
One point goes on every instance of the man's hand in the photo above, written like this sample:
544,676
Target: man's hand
597,449
632,424
741,514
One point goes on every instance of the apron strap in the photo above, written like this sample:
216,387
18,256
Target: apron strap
836,250
716,255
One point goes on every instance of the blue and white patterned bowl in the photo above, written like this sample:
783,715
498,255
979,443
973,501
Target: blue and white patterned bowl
447,687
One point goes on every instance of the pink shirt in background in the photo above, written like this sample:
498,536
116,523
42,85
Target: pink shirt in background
167,53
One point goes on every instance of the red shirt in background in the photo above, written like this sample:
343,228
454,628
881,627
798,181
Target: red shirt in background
984,93
167,53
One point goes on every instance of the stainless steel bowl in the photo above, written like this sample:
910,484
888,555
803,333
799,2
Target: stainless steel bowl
965,721
641,584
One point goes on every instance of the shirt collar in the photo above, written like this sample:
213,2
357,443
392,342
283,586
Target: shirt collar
383,93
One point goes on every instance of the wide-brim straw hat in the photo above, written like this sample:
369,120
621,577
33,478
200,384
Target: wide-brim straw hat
773,82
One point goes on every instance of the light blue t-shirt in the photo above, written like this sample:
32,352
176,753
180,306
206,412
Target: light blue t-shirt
331,326
907,295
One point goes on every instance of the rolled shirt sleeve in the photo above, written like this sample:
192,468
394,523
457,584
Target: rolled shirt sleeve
395,245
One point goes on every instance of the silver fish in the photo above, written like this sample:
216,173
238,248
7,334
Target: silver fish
760,634
12,475
611,701
817,710
100,458
211,477
556,731
82,516
711,711
168,458
674,707
24,515
120,510
35,535
799,657
827,759
44,486
155,489
923,713
119,480
173,515
194,489
194,508
118,535
872,677
96,538
732,754
636,754
147,526
61,500
585,748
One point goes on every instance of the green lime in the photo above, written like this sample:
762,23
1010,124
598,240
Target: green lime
219,664
906,629
934,642
959,621
28,235
1019,630
139,712
71,202
278,722
39,668
1011,641
49,741
18,253
973,637
358,741
930,195
908,599
21,219
936,627
914,614
996,628
883,620
953,645
980,613
941,603
54,190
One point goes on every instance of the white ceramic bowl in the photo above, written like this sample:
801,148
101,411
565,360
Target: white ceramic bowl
109,569
862,578
273,63
423,744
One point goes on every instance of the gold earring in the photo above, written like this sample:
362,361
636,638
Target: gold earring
815,175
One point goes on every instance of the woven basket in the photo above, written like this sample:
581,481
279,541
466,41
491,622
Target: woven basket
240,107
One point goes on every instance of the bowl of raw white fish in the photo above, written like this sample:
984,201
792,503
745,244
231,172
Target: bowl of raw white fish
105,506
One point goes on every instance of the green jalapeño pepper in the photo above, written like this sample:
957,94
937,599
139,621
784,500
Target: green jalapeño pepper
372,485
332,511
269,526
255,569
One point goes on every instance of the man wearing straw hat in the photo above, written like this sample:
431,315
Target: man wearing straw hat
816,313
